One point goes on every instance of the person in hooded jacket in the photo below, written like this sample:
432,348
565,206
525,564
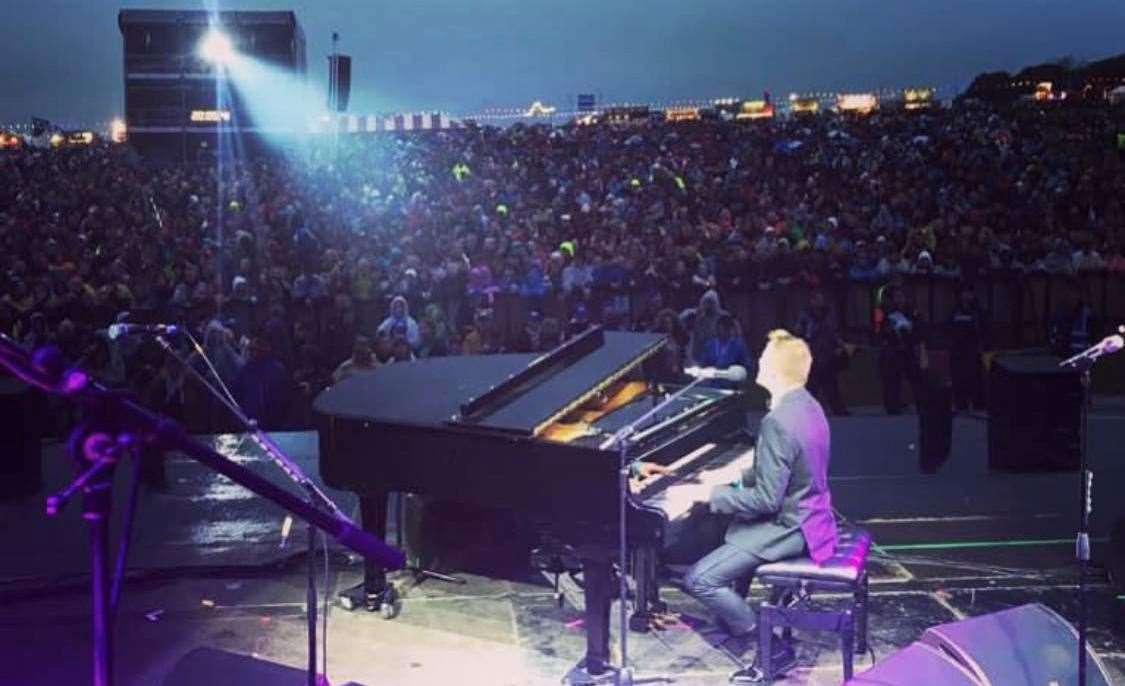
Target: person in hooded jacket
400,315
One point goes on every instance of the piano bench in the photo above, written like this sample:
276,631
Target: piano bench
791,584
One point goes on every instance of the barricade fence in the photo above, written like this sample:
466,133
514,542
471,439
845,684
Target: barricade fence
1020,309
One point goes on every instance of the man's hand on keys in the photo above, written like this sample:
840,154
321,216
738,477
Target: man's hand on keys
648,469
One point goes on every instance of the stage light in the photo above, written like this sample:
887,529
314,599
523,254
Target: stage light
216,47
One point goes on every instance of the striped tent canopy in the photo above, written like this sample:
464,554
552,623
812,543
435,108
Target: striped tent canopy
371,123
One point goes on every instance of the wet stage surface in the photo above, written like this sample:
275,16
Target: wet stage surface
210,568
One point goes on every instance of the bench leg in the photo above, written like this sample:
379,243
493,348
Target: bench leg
847,643
861,616
765,636
783,598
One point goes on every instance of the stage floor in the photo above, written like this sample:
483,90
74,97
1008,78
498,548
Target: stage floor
211,570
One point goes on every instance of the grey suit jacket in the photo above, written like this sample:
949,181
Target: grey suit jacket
784,506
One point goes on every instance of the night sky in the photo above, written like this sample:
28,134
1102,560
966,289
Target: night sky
62,58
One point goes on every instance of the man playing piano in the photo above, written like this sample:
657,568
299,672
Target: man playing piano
781,508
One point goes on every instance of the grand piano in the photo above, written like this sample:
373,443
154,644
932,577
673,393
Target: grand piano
532,434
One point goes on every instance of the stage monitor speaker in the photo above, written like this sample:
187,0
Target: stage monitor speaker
1027,645
916,665
210,667
340,74
220,668
1033,414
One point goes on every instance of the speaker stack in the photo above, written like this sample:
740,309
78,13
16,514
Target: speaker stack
21,458
1034,413
339,82
1030,645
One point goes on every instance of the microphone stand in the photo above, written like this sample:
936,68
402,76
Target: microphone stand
1084,362
115,426
621,441
316,496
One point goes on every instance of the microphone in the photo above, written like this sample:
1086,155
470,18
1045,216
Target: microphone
735,372
1106,346
1111,344
115,331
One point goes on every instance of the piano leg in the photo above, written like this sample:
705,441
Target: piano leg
373,516
648,604
597,574
374,594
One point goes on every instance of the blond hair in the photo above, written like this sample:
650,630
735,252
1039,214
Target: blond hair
790,357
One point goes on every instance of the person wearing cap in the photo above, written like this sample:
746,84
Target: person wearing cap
578,276
925,262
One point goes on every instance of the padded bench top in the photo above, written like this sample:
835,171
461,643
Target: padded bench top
845,566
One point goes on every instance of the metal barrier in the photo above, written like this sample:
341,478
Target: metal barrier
1021,308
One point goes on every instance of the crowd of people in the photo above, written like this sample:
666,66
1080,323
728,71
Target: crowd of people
301,268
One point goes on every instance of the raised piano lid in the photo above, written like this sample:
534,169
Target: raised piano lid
528,402
424,392
513,394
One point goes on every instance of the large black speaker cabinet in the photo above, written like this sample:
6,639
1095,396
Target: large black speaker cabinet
21,458
916,665
1027,645
1033,414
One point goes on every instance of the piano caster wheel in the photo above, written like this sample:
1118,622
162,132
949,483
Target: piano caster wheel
389,604
640,624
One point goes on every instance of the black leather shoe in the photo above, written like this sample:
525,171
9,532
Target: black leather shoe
748,675
740,644
782,658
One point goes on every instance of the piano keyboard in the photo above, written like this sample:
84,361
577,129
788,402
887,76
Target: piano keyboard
682,495
705,459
